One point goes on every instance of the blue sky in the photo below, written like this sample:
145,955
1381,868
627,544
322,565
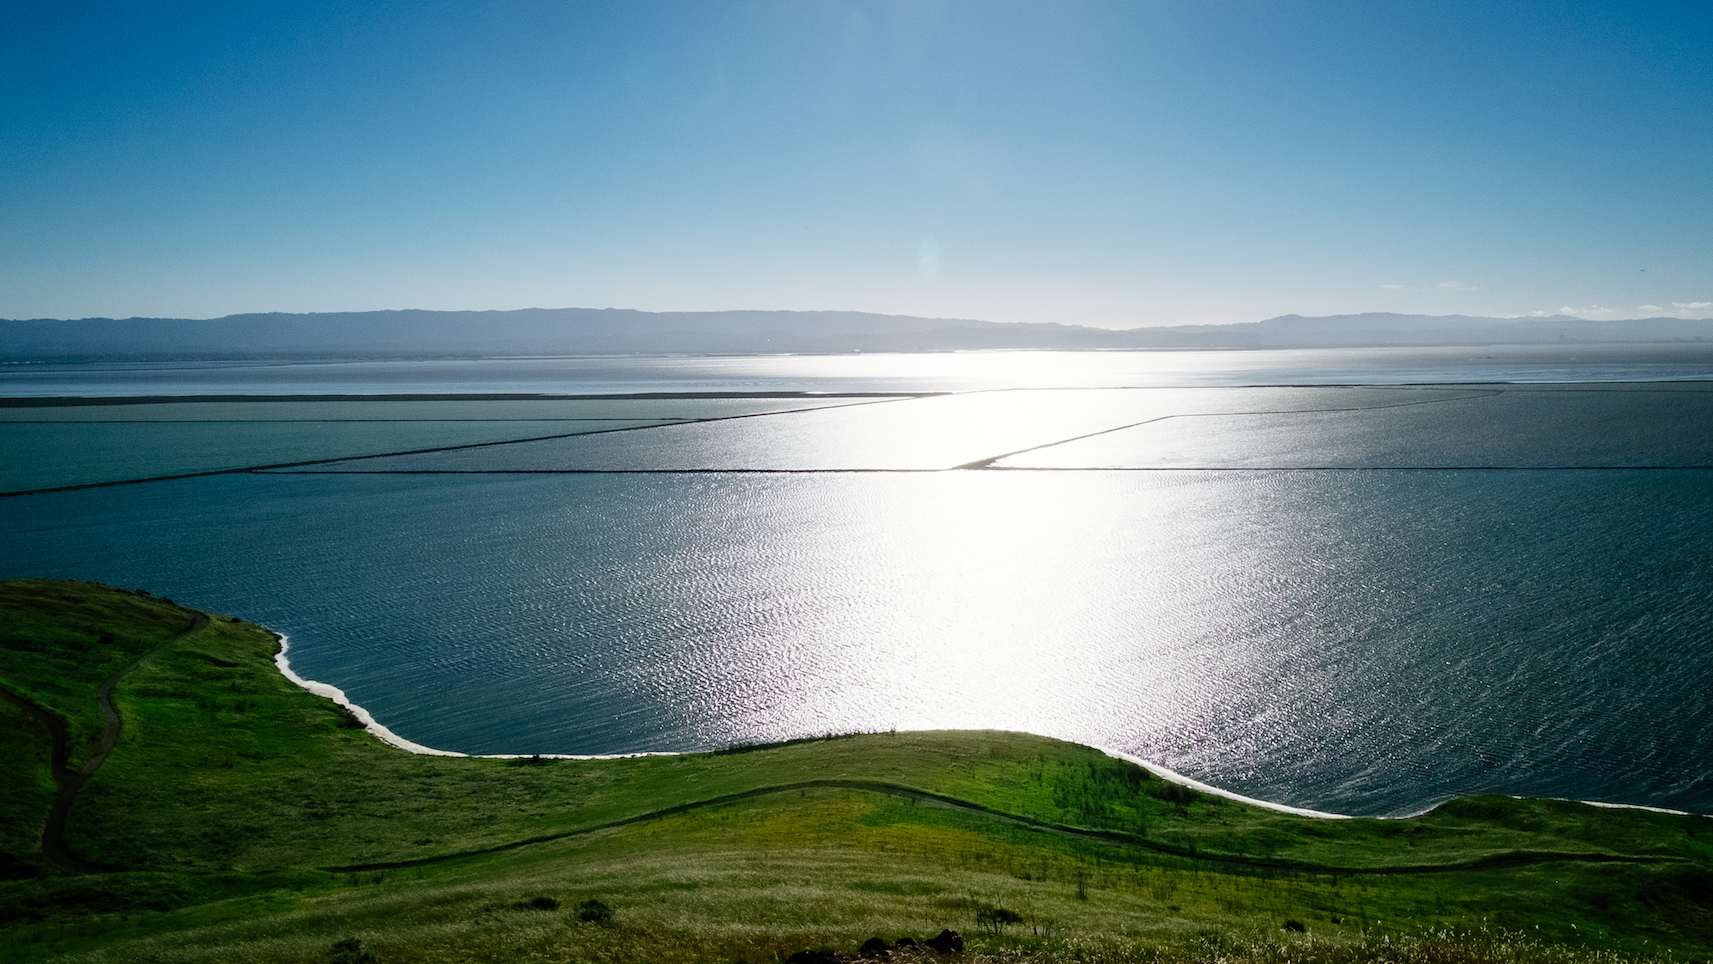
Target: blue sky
1114,164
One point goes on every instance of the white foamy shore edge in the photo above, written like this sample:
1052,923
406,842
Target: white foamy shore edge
1195,784
392,739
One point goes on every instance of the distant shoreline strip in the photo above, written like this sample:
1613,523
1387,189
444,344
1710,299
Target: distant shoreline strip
67,401
951,469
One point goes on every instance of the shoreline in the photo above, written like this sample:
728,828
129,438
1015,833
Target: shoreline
10,399
387,736
73,401
1173,776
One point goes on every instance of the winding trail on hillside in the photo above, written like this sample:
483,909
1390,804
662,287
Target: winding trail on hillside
1115,837
69,781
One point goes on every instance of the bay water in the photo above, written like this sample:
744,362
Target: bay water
1369,638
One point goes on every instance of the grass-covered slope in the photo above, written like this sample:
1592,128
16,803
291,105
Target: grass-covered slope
60,641
241,818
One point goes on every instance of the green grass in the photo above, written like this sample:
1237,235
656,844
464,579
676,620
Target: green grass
59,641
26,792
243,821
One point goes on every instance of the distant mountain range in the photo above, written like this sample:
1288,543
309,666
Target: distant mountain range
578,331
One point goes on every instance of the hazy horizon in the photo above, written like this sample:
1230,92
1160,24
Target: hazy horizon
1682,314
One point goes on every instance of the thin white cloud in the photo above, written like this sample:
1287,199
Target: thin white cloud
1678,309
1681,309
1391,286
1457,286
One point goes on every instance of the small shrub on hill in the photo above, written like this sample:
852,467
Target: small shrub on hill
994,919
593,911
349,951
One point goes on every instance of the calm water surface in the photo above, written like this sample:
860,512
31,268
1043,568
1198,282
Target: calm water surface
1370,638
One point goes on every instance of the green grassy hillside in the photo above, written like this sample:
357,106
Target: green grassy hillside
241,818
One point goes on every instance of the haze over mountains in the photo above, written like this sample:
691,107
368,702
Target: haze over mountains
578,331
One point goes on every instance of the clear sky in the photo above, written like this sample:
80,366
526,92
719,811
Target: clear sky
1116,164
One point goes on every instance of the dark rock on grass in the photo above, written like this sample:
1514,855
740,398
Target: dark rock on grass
822,956
873,947
1296,925
947,942
543,903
